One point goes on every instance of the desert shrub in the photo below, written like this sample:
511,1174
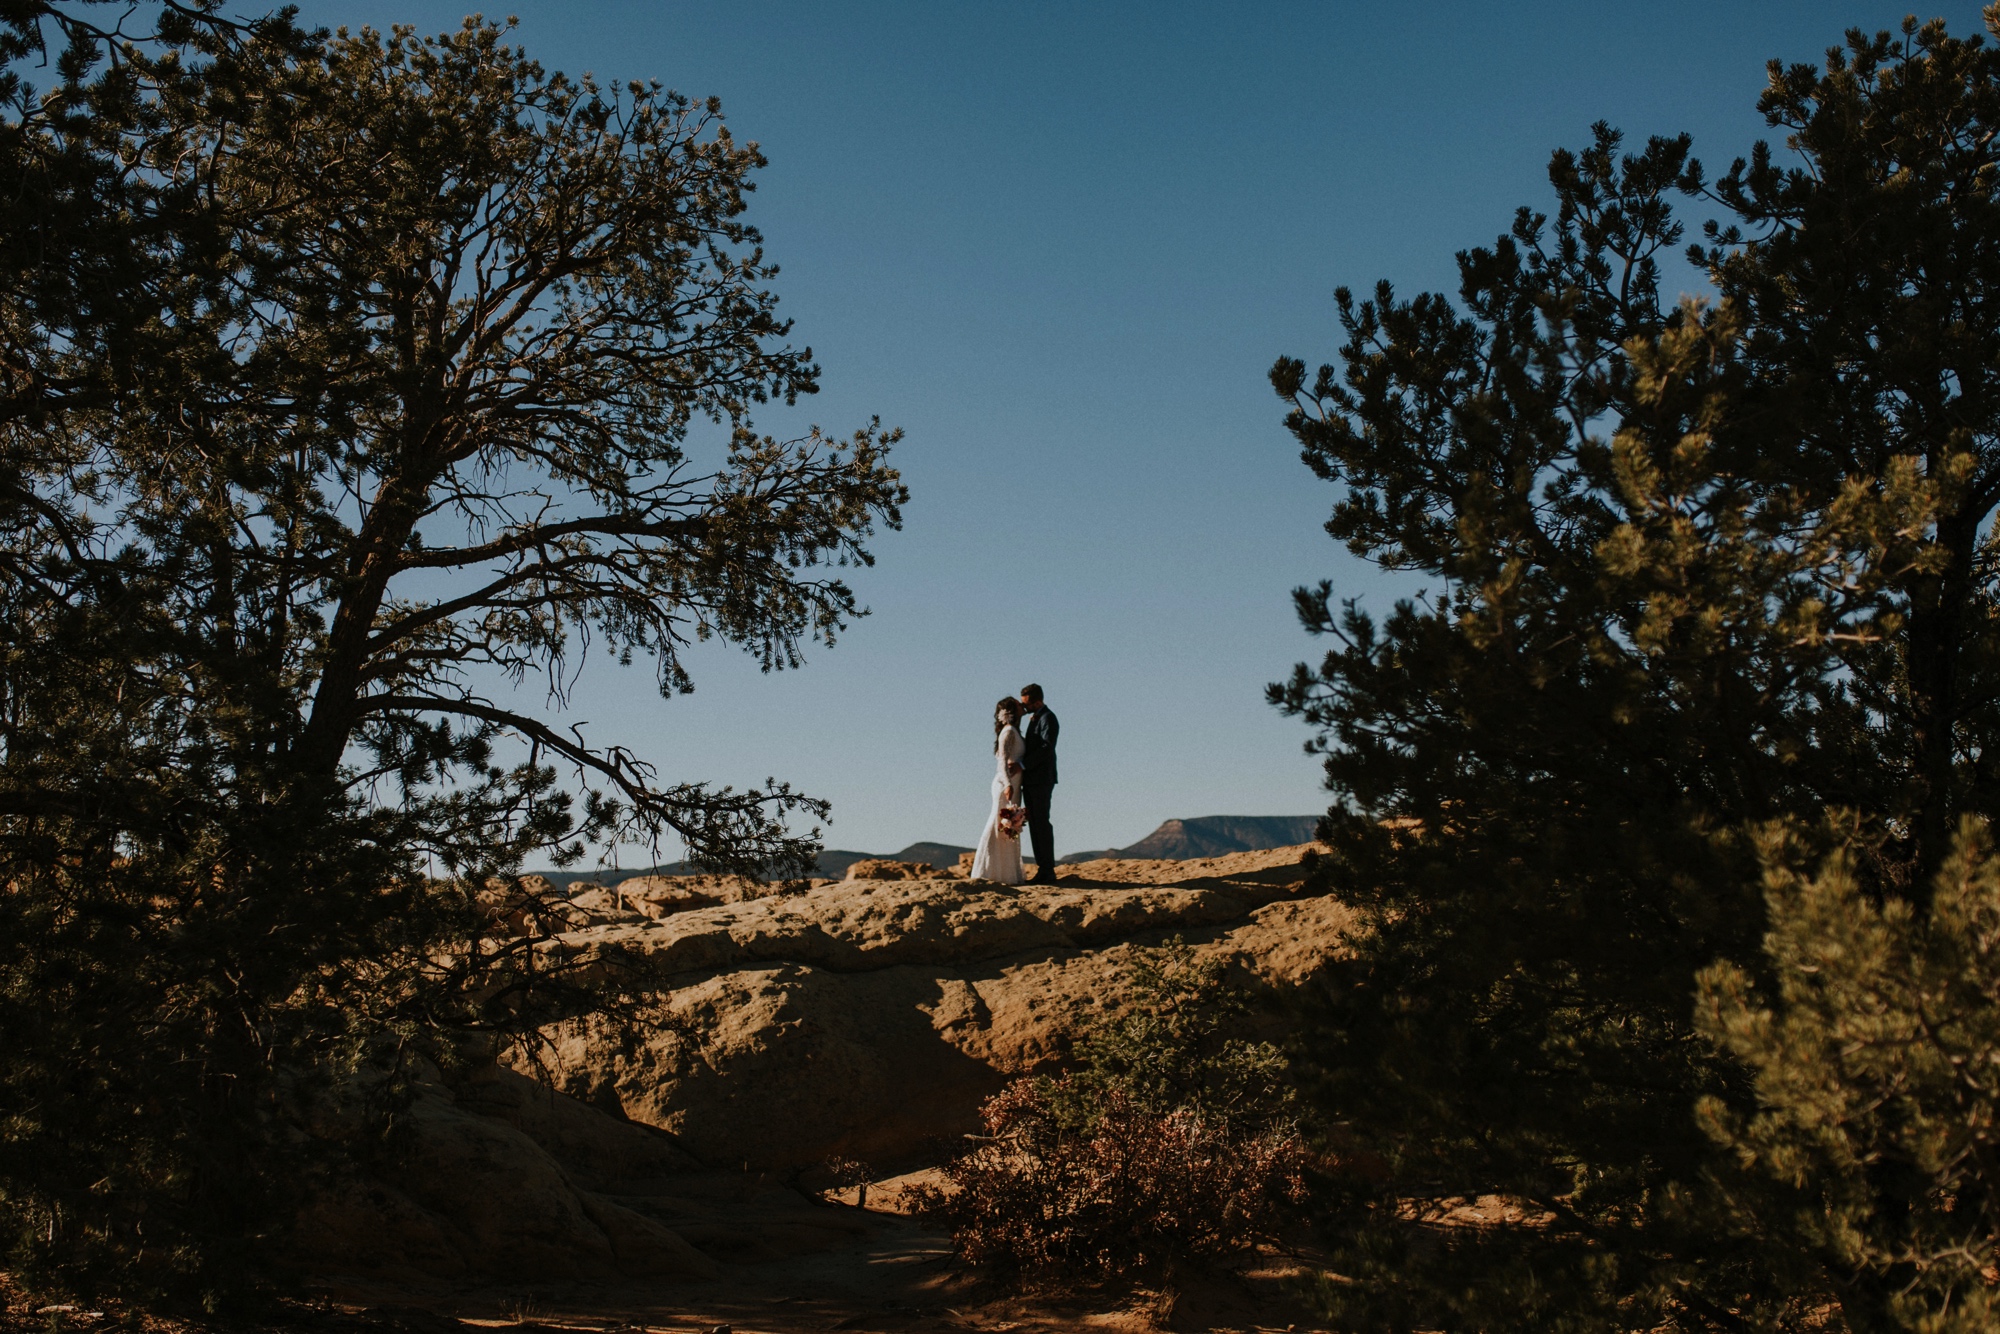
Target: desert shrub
1181,1046
1172,1141
1132,1190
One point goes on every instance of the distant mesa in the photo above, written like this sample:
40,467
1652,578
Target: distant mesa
943,855
834,863
1176,840
1211,836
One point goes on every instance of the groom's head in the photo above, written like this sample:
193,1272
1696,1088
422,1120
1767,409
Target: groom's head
1031,697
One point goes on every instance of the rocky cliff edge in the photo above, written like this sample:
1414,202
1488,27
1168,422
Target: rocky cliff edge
862,1019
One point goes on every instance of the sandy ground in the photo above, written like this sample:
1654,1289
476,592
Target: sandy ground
896,1277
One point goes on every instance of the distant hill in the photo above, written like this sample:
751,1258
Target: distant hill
945,855
833,864
602,875
1212,836
1176,840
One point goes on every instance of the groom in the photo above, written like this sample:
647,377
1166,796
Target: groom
1038,779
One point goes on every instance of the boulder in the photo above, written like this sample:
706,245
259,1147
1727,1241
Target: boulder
884,868
595,904
658,896
461,1194
458,1166
532,903
493,1177
361,1224
595,1151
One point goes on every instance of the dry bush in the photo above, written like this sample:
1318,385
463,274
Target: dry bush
1174,1141
1135,1191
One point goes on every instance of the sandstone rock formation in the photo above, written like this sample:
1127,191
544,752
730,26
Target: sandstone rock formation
888,868
497,1178
868,1019
861,1019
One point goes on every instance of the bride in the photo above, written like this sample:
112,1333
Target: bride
999,854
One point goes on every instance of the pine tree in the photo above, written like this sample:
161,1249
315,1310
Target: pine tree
1696,572
342,373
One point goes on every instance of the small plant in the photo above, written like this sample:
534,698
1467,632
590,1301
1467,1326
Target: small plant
525,1309
1172,1141
851,1174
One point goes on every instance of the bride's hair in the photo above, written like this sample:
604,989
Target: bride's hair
1006,711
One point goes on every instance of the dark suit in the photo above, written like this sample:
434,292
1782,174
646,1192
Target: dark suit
1038,780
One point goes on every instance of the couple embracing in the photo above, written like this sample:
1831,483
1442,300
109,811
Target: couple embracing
1024,742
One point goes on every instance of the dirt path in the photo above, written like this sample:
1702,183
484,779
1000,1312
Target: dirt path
895,1278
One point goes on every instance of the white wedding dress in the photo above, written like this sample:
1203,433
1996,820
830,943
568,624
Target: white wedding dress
999,857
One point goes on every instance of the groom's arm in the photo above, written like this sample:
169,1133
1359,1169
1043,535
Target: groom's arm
1041,739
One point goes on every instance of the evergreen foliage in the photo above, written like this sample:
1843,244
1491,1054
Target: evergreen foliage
339,376
1697,572
1878,1065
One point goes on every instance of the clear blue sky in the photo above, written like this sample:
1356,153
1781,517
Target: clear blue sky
1060,244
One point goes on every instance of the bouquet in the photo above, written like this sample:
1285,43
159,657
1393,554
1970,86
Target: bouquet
1011,820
